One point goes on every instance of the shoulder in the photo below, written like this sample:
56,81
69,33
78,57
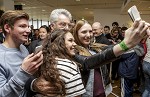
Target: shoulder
97,46
67,69
82,51
65,62
23,49
2,52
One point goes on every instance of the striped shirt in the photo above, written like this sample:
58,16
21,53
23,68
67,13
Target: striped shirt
70,74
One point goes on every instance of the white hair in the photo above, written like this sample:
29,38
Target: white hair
56,12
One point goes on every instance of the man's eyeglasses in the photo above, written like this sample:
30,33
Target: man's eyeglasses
64,25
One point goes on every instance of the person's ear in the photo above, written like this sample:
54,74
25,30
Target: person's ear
52,26
7,28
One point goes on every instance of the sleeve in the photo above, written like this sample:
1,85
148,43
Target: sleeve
139,50
28,86
96,60
14,86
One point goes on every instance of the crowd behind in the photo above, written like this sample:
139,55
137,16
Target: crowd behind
129,67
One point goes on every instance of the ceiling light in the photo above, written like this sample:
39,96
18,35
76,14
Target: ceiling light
86,8
82,18
43,10
77,0
23,4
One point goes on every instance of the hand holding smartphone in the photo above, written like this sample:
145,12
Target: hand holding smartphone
38,49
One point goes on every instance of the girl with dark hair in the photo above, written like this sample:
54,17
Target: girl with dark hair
58,67
43,33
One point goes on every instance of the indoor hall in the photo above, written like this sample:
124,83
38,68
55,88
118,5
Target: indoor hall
104,11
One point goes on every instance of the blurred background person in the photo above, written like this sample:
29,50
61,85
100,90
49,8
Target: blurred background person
43,33
107,32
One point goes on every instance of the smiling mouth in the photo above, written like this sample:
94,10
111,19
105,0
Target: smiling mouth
25,36
87,40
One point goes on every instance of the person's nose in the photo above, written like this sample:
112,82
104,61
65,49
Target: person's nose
28,29
67,28
74,44
88,34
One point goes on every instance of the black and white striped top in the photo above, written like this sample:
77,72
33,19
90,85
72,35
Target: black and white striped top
70,73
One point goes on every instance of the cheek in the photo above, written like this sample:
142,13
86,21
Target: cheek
81,39
40,34
91,34
45,34
15,35
80,36
68,47
66,44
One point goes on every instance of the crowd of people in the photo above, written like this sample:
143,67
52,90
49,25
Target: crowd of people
76,59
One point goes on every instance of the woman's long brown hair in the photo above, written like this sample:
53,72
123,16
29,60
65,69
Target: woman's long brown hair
78,25
54,46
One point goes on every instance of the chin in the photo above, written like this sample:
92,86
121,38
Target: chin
87,43
23,41
72,54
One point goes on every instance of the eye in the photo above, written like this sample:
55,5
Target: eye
69,25
83,32
22,26
63,24
90,31
70,40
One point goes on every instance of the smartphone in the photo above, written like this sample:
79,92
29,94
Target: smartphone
134,13
38,49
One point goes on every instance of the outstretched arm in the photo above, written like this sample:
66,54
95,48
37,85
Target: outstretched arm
132,37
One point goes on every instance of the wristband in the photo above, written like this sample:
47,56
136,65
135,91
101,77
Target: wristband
123,46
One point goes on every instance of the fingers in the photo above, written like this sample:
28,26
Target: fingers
53,95
141,29
45,87
39,64
52,92
144,31
148,30
32,62
39,53
29,56
148,24
36,56
141,26
39,61
136,23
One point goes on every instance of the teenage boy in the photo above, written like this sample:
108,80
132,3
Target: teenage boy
16,65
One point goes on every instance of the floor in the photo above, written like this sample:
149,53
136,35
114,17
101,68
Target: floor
116,90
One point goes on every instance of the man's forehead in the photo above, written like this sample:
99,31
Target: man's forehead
63,18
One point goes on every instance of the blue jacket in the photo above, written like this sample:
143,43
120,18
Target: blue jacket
129,62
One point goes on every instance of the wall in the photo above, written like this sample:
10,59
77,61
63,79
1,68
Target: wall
107,16
7,5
